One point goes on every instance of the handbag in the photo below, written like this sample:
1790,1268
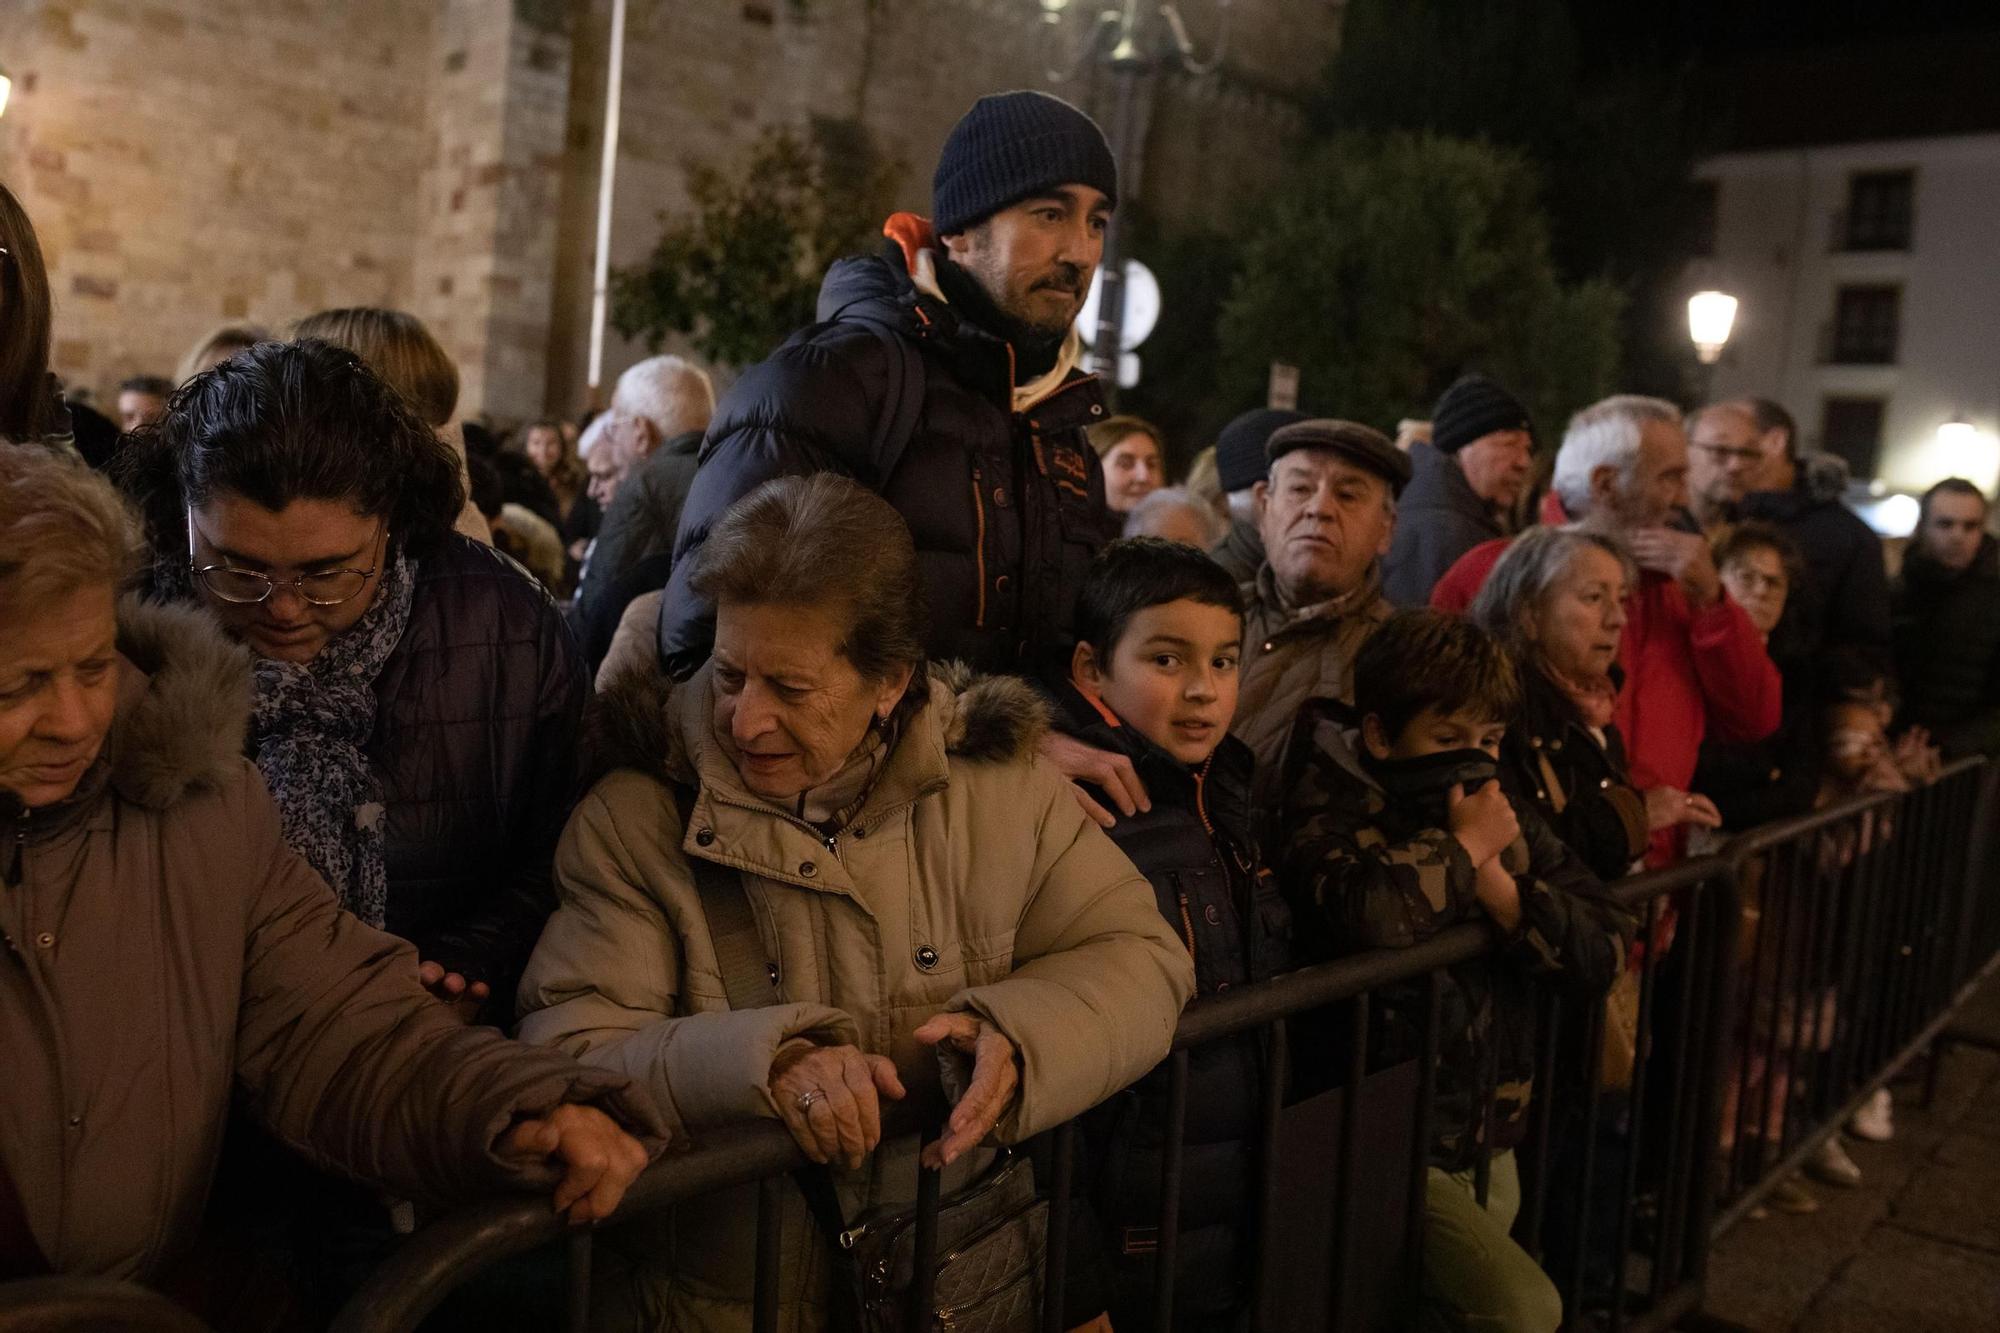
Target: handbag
991,1246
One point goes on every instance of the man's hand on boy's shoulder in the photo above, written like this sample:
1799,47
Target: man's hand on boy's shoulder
1483,821
1112,774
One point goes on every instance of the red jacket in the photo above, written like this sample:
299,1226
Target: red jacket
1688,674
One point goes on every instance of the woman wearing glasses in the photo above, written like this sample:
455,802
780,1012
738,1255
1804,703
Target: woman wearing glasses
417,697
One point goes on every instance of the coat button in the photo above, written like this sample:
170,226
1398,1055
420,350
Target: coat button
1221,986
857,832
927,957
1096,410
1269,646
1555,745
1535,742
1605,783
808,869
1000,496
1212,914
75,1119
771,971
704,838
1002,583
46,940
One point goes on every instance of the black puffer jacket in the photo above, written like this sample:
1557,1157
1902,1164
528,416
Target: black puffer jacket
1580,787
476,723
1845,601
1948,649
1006,507
1195,847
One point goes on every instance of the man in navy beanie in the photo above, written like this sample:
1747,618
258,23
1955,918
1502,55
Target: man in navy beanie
1466,481
943,375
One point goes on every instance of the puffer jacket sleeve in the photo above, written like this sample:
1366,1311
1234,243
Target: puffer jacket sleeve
492,944
346,1057
1099,979
811,408
608,981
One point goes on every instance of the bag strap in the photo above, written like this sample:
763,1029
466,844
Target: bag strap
749,977
750,981
904,401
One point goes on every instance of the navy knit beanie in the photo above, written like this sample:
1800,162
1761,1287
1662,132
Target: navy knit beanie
1239,450
1473,407
1011,146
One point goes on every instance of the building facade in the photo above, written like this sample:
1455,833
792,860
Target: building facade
1870,299
188,162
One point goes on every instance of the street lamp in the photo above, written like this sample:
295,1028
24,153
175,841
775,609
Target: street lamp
1129,43
6,87
1711,315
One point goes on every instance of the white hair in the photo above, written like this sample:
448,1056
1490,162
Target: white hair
1605,434
673,393
1147,515
594,435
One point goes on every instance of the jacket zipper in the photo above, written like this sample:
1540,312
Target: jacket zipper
1187,926
979,546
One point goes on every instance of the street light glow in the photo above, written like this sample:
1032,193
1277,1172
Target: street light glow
6,87
1957,434
1711,316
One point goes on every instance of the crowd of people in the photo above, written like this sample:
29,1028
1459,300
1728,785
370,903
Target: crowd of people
887,728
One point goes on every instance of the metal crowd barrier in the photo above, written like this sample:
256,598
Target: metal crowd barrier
1865,925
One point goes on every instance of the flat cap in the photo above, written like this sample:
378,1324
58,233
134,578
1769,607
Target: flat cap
1362,445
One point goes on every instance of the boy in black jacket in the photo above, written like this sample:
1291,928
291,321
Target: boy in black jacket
1153,678
1401,831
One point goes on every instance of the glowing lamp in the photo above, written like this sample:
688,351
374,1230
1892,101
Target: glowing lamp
1711,316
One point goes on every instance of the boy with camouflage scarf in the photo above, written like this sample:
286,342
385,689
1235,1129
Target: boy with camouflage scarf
1400,831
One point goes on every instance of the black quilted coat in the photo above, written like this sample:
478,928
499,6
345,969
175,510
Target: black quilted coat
1006,508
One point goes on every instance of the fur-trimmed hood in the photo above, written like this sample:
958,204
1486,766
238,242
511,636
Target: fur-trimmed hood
185,706
642,720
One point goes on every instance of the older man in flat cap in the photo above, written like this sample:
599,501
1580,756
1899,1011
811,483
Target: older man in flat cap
1326,511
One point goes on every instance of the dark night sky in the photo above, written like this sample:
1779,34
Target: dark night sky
1726,29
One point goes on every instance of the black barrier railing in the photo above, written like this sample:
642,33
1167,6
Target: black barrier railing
1864,925
1772,987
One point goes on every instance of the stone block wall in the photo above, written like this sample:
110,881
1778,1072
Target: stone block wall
189,161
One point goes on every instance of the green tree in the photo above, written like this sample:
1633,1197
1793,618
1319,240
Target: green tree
742,271
1608,108
1387,264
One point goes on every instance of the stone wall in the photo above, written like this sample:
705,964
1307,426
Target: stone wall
189,161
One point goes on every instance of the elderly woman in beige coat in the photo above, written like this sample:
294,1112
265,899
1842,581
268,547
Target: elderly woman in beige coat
165,949
928,899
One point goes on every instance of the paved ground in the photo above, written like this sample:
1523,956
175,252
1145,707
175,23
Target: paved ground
1915,1249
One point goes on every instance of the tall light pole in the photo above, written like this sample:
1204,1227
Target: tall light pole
1132,41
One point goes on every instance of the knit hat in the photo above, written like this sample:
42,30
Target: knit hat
1359,444
1239,450
1473,407
1013,145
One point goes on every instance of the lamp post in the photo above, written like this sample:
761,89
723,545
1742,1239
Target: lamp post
1711,316
1131,39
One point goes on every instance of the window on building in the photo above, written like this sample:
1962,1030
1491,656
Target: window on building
1702,212
1865,326
1878,210
1851,428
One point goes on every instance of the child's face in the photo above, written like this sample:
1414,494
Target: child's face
1433,732
1172,676
1855,740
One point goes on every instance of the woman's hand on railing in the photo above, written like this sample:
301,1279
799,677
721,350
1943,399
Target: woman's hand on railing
1670,807
599,1160
830,1098
996,1081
